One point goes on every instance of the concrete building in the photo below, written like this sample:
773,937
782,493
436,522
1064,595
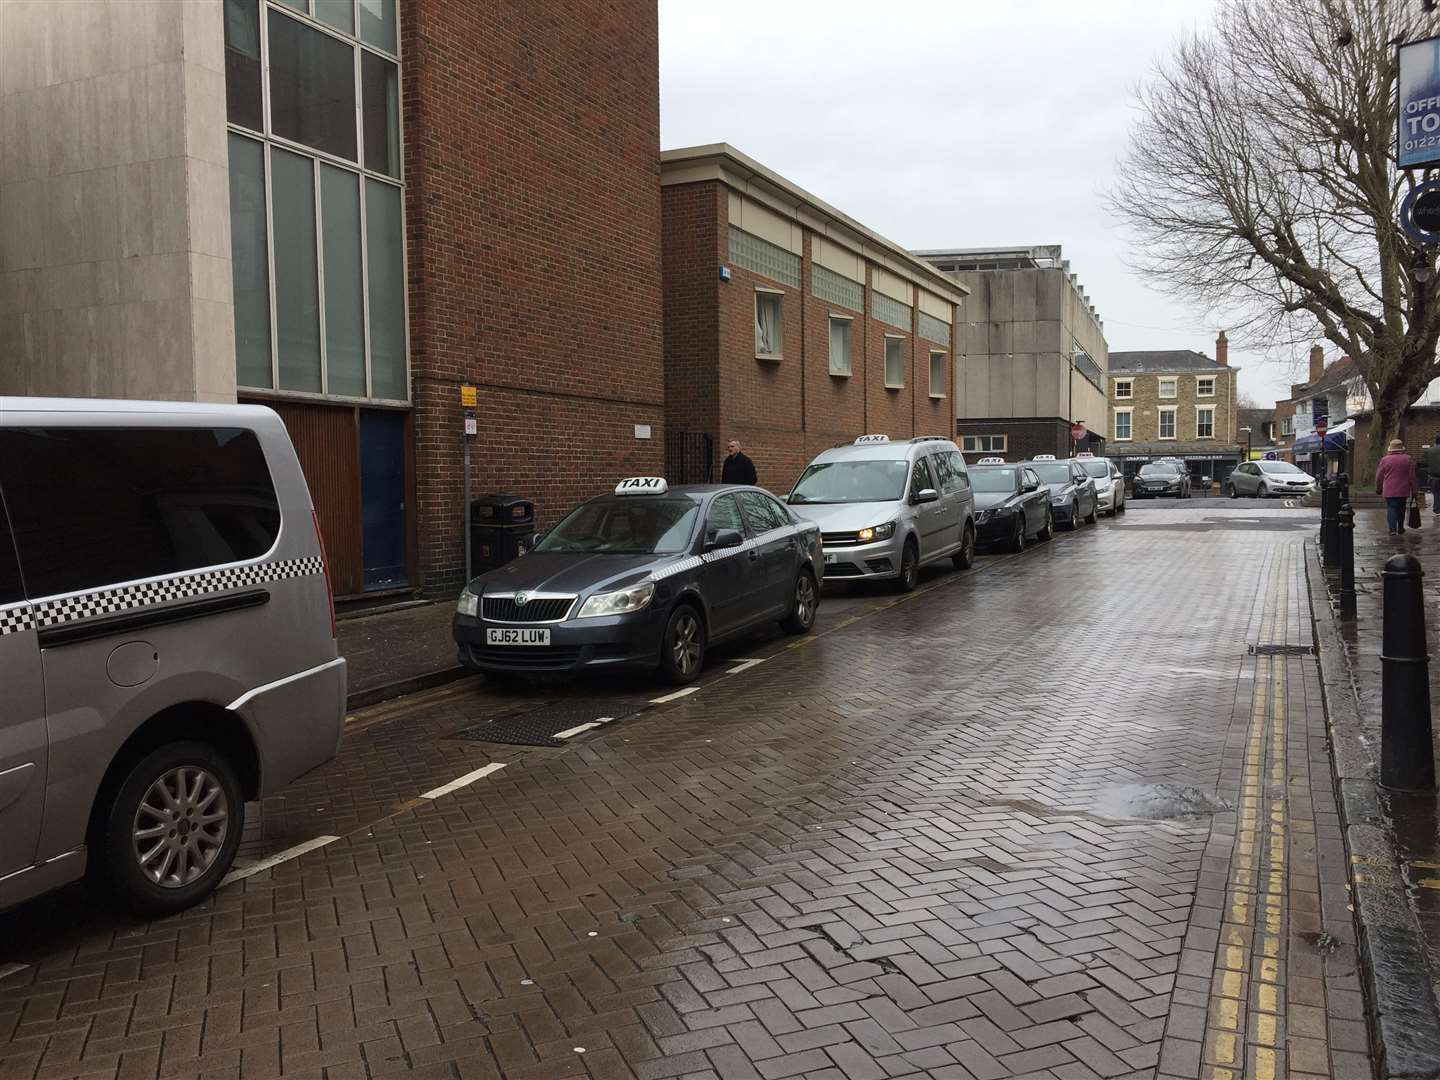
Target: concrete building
1031,353
1175,403
347,210
789,325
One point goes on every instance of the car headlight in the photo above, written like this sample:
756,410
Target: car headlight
469,604
983,516
878,532
620,602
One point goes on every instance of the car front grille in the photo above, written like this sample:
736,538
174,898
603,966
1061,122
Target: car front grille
540,609
840,539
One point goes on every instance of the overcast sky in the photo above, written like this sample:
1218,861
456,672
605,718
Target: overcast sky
946,124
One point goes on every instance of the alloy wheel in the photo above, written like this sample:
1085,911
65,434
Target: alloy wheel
804,600
685,644
180,826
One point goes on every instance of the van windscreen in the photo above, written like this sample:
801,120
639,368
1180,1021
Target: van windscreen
866,480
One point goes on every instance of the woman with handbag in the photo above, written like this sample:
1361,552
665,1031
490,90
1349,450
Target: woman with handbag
1396,480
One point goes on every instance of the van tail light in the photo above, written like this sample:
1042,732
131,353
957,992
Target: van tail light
325,562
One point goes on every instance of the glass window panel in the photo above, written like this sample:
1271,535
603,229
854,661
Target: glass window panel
298,5
242,64
337,13
250,262
377,24
385,261
312,87
297,286
344,313
380,113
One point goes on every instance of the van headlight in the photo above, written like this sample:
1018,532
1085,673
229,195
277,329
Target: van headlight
469,604
620,602
876,532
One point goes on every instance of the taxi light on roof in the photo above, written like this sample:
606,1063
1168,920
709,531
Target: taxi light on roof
866,439
1083,455
1044,457
642,485
991,461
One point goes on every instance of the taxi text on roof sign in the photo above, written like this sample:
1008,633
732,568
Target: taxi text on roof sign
863,439
991,461
1083,455
1044,457
642,485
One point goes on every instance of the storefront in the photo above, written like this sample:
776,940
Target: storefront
1324,455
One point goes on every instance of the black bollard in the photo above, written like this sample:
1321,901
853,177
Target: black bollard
1407,753
1347,559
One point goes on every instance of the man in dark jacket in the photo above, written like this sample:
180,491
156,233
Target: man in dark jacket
738,469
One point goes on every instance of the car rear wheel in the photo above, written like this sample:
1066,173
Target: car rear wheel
682,650
964,559
1017,542
909,567
1048,529
804,605
171,832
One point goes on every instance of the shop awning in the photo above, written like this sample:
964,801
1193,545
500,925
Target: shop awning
1335,441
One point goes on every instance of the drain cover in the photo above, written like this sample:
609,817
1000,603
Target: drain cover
1282,650
538,726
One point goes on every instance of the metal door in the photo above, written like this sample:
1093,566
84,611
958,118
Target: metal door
929,517
382,488
775,542
24,739
731,574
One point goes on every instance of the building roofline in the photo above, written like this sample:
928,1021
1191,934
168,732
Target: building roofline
722,162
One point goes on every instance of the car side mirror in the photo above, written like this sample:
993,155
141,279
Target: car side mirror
724,538
926,495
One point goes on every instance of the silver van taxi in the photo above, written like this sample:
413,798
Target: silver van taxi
167,642
888,507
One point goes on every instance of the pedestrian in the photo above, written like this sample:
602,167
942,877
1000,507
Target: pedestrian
738,469
1432,466
1396,480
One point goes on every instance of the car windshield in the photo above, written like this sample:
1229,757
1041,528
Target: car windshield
1098,469
852,482
634,525
1052,472
985,479
1165,471
1280,467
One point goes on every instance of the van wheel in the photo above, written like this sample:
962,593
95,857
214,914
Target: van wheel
964,559
171,833
909,567
806,601
682,649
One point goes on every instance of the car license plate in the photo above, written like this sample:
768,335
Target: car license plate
515,636
831,558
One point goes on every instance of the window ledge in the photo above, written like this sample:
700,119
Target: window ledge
937,397
842,374
771,357
894,386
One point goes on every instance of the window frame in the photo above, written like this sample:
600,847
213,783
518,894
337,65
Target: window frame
885,373
1001,449
1174,411
1160,382
944,362
268,141
1128,385
1199,409
777,296
1127,411
1200,381
1287,427
849,321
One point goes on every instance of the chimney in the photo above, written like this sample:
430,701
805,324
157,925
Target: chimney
1222,350
1317,363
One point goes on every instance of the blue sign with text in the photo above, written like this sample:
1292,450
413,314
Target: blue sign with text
1418,135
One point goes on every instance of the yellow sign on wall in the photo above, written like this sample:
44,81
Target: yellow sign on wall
468,399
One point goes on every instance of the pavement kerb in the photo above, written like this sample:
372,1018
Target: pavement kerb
1402,1012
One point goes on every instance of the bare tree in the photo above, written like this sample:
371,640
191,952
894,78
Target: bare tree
1261,181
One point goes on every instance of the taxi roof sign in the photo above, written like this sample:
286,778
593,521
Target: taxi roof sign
1083,455
1043,457
991,461
865,440
642,485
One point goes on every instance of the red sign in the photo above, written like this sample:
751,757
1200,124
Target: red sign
1321,426
1077,431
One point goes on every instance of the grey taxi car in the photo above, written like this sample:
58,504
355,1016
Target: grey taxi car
1073,497
167,642
888,507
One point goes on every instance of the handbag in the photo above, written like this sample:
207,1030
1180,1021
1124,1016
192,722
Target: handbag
1413,521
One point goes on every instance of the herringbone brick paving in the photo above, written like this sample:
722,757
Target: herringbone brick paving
904,849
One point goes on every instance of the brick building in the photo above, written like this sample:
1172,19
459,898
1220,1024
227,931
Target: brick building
1175,403
346,210
789,325
1032,353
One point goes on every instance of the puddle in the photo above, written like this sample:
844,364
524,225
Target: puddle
1157,802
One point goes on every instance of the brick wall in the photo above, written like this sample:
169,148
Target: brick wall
1145,403
1024,437
694,219
533,241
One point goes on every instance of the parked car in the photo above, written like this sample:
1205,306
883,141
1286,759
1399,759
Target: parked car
645,577
1109,482
1263,478
1073,497
887,508
1011,506
1157,479
167,642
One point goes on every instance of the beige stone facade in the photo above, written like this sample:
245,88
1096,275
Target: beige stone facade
1202,406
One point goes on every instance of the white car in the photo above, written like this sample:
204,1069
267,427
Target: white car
1265,478
1109,482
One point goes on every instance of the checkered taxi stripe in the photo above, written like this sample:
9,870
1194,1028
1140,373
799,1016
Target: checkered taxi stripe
126,598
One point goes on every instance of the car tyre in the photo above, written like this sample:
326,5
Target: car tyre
1074,522
1094,516
1230,492
180,804
1017,542
909,567
964,559
1262,491
804,604
682,649
1048,529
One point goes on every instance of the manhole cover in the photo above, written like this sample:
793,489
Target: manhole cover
1282,650
538,726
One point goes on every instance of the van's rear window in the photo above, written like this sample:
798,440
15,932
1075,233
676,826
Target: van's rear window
91,507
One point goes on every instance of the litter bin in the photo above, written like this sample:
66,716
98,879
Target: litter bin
501,526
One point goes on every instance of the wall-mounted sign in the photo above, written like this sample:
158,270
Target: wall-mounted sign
1417,141
468,398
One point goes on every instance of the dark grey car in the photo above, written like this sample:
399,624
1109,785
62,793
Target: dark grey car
1161,479
1073,497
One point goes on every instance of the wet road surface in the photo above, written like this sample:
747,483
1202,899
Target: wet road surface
1064,815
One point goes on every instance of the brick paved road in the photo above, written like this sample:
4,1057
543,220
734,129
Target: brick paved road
913,846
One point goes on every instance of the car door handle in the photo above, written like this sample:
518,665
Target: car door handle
754,554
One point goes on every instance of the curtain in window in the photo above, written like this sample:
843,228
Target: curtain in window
767,325
839,347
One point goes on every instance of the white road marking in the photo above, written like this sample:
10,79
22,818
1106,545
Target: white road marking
6,970
672,697
746,665
464,781
276,859
576,730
